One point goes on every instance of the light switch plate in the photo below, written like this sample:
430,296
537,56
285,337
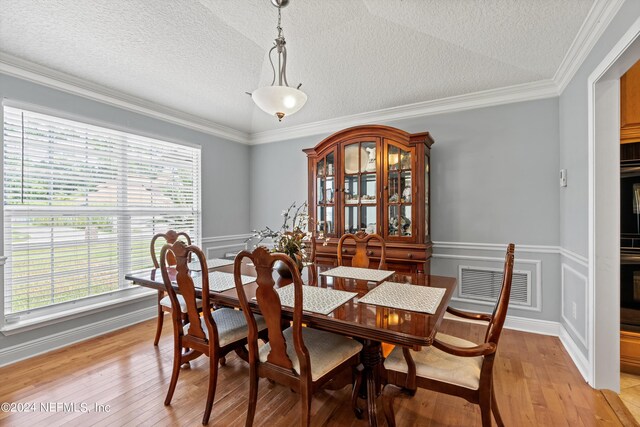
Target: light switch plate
563,177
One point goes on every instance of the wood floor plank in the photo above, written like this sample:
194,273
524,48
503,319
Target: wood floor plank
536,385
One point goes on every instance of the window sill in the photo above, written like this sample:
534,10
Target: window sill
33,321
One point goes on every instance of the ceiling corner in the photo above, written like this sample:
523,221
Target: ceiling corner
598,19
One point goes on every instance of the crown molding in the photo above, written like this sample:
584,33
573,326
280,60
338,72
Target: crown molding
486,98
598,19
17,67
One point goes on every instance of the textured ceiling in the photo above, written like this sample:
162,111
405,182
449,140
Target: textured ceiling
352,56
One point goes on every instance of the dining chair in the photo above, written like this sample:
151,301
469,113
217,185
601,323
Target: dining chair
214,334
301,358
164,302
453,365
362,253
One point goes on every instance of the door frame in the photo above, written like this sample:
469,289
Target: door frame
603,121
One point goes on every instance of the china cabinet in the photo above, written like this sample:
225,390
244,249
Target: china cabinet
376,179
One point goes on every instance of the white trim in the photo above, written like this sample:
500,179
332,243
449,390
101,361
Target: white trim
53,317
226,238
52,342
497,247
614,54
215,248
598,19
577,258
564,267
88,120
538,268
544,327
45,76
505,95
535,326
545,249
581,362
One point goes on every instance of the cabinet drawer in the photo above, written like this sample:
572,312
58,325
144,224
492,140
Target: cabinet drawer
402,254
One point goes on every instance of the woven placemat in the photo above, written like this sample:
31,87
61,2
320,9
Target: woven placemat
368,274
405,296
314,299
220,281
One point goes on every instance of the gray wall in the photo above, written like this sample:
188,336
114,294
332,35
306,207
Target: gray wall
225,183
574,199
573,135
494,181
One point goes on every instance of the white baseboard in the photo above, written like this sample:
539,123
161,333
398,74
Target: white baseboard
542,327
576,355
36,347
545,327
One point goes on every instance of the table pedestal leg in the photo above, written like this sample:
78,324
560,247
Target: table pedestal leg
372,362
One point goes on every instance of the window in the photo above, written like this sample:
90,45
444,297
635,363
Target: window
81,204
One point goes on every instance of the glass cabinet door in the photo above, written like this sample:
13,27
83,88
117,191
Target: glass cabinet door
360,162
399,191
427,212
325,195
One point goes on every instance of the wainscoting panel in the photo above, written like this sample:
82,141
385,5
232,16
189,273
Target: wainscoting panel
574,296
456,261
217,247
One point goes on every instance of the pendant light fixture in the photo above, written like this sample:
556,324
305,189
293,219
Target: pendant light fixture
279,99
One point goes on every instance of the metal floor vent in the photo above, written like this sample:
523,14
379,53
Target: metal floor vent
483,284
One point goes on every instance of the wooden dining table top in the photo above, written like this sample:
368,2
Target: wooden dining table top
365,321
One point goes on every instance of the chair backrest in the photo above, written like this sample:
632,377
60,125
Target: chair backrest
494,329
181,252
271,309
361,257
170,238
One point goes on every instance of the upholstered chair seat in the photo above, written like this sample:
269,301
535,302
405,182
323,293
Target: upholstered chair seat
231,324
326,350
452,365
438,365
166,302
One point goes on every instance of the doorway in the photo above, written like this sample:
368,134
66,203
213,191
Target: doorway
604,209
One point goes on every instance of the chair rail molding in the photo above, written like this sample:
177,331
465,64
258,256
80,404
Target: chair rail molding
216,246
545,249
537,268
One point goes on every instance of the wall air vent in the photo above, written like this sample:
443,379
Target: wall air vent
483,285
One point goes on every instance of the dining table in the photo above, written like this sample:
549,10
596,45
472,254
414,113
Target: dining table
370,324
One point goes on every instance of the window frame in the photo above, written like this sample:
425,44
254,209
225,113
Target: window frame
12,323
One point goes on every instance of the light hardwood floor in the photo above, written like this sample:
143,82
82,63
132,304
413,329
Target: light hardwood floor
630,393
537,385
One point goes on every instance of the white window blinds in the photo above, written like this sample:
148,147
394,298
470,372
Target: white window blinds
81,204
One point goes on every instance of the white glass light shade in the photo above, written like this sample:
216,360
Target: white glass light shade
279,101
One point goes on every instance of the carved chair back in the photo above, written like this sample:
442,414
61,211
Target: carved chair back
181,252
361,257
494,329
271,310
170,238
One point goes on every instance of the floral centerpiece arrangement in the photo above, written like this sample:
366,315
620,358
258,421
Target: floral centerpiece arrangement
293,237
